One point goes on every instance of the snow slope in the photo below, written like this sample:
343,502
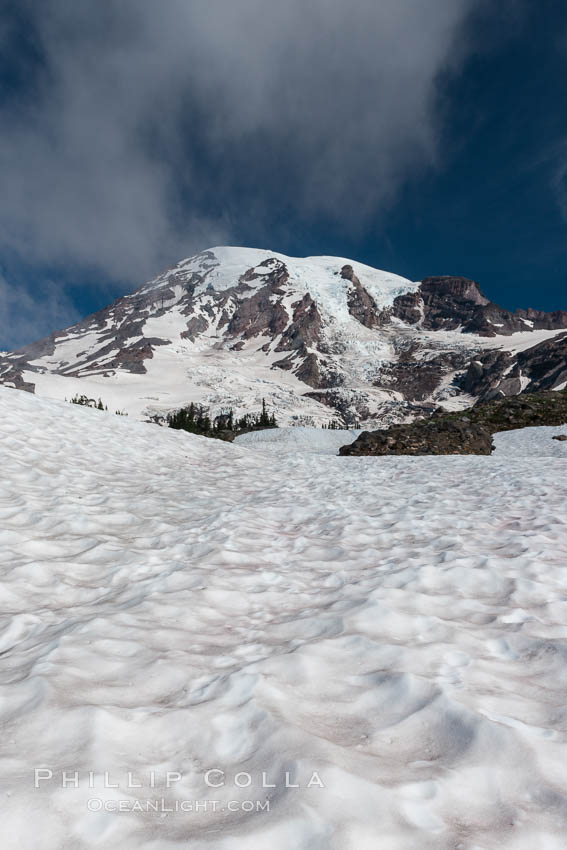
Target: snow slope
298,439
393,629
531,442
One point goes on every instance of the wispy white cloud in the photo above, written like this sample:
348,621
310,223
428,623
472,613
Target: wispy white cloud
148,120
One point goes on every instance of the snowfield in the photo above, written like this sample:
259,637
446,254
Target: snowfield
375,647
299,439
531,442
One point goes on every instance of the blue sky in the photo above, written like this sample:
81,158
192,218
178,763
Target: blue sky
420,138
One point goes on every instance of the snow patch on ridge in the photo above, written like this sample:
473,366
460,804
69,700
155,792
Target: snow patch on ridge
299,439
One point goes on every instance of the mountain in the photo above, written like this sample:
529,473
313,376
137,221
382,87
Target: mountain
317,337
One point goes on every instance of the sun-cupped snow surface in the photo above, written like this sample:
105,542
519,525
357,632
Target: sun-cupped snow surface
212,648
532,442
300,439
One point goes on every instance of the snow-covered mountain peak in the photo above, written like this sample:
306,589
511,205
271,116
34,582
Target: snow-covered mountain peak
224,268
317,337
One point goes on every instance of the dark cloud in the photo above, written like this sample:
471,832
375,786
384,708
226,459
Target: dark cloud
146,130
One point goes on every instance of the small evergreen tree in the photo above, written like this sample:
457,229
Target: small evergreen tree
196,420
264,419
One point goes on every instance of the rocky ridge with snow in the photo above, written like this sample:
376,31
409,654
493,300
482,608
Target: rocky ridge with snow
469,432
318,338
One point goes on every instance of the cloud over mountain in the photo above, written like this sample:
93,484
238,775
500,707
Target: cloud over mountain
137,132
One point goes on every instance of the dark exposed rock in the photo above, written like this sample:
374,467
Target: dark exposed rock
540,320
408,308
305,327
519,411
500,373
278,274
286,363
464,433
13,378
417,379
347,273
545,364
195,326
257,315
442,303
424,438
484,372
360,303
456,289
448,303
309,372
132,358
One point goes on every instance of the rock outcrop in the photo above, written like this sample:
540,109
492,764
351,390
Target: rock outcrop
503,373
360,303
466,433
430,437
448,303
